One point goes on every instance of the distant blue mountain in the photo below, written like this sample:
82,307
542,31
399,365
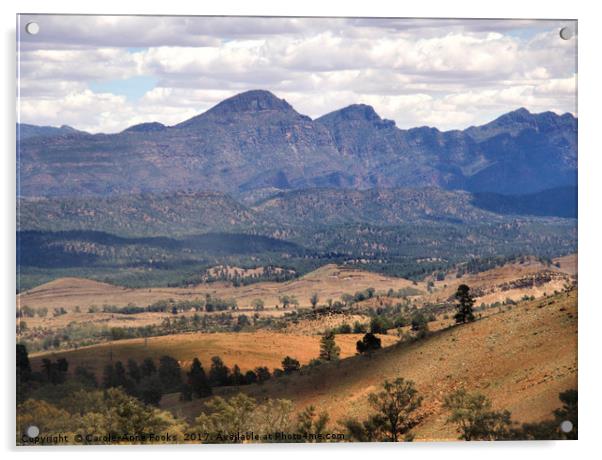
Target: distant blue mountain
557,202
26,131
146,128
255,144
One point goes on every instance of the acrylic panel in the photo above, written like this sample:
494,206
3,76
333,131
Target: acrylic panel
288,229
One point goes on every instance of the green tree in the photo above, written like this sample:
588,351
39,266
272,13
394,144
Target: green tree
310,424
242,414
464,305
148,368
117,413
273,416
290,365
134,371
314,300
378,325
329,351
151,390
219,374
242,321
359,328
345,328
420,324
197,379
108,376
347,299
263,374
285,300
236,377
250,377
23,365
170,374
362,431
368,344
23,373
55,372
47,417
396,406
394,414
86,377
225,417
120,376
474,418
258,304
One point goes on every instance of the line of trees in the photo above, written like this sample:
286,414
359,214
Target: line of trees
395,410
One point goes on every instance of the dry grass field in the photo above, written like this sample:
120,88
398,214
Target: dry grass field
329,281
520,358
248,350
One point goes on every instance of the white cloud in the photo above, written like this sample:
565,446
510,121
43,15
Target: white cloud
447,73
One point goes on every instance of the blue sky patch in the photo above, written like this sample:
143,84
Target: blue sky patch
133,88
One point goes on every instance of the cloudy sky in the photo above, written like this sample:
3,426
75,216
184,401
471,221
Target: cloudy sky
105,73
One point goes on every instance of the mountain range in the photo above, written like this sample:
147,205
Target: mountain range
254,146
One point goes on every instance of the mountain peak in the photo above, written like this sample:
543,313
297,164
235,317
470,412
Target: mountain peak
359,112
518,115
251,101
356,112
148,127
515,122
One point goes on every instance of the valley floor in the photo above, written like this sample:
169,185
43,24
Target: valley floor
520,354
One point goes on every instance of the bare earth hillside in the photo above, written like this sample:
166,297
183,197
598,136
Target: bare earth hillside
248,350
520,358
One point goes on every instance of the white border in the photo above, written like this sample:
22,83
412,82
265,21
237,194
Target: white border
590,256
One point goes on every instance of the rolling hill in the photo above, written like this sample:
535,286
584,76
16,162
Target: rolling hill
247,350
520,358
328,281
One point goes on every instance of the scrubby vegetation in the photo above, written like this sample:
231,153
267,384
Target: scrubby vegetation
475,420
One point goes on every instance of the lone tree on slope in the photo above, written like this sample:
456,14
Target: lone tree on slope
464,306
314,300
329,351
368,344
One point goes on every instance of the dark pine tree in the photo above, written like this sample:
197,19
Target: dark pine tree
465,302
108,376
23,373
219,374
329,350
368,344
290,365
151,390
198,380
250,377
23,366
134,371
262,373
237,378
170,374
148,367
120,375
